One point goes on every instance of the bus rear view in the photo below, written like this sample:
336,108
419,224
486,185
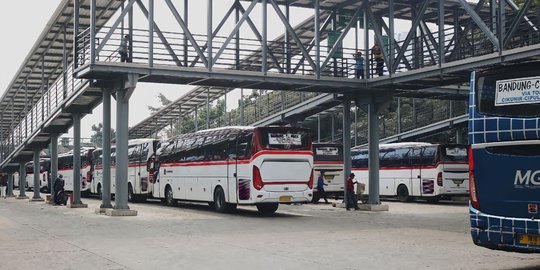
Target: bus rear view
504,167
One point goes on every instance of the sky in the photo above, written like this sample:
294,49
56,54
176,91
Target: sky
30,17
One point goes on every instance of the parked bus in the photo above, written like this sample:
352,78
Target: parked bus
140,151
65,168
504,132
230,166
328,158
417,170
44,174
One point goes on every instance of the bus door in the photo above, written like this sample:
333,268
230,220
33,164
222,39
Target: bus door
232,169
424,171
416,172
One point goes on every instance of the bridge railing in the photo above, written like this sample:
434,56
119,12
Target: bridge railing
173,49
51,101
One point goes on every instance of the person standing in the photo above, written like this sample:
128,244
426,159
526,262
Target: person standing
359,64
351,201
379,59
320,188
123,49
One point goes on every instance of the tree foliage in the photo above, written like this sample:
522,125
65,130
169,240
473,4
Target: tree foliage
97,137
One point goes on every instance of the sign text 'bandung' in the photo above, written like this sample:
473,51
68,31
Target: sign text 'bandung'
517,91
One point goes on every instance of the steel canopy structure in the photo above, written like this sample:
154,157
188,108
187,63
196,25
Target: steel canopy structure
446,40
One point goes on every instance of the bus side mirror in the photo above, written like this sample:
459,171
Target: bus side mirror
149,164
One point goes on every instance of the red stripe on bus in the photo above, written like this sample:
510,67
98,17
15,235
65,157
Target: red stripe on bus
328,162
273,152
412,167
202,163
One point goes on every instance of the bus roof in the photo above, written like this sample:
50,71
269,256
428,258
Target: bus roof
139,141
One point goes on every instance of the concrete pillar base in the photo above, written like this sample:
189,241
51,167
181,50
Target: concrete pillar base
374,207
79,205
101,211
338,205
36,200
120,212
21,197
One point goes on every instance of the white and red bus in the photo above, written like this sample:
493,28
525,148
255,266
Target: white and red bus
44,174
231,166
417,170
328,158
140,151
65,168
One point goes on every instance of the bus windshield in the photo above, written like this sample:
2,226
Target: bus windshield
454,153
285,138
327,152
509,94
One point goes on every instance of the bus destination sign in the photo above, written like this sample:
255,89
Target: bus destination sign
517,91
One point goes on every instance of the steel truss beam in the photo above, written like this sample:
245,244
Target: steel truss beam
480,23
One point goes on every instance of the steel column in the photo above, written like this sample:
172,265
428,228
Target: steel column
264,42
333,128
242,106
106,151
92,31
37,174
76,7
391,52
318,128
122,119
77,159
209,31
367,65
225,109
346,143
54,164
151,33
441,33
22,181
355,125
9,191
502,23
373,158
237,37
317,39
208,108
287,40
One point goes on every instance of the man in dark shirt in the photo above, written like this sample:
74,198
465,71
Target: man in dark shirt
351,201
320,188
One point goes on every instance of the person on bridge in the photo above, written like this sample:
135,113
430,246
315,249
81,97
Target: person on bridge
123,49
320,188
379,59
359,65
351,201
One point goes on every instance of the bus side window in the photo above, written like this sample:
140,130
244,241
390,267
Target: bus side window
429,155
244,145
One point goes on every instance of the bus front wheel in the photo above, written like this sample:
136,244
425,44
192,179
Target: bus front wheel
267,208
169,199
403,194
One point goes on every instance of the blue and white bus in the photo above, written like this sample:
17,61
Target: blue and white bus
504,158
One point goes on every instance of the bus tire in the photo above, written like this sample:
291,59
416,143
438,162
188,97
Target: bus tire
131,196
219,200
403,193
169,199
267,208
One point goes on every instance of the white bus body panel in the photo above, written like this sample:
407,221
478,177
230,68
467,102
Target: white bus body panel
197,181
